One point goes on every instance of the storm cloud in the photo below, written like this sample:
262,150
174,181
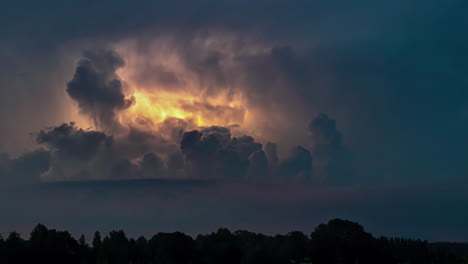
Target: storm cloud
389,77
213,151
334,162
208,153
97,89
25,169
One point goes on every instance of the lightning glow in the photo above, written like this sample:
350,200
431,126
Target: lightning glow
158,106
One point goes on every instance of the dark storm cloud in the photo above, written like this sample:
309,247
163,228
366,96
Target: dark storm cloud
298,165
324,132
152,166
176,152
24,169
333,161
115,19
97,88
71,142
200,152
123,169
378,59
75,153
283,79
213,152
258,165
139,142
272,153
176,165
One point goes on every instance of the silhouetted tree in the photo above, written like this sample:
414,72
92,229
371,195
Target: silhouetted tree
220,247
52,246
139,251
82,240
338,241
172,248
15,249
295,246
84,251
2,250
341,241
115,248
97,248
97,240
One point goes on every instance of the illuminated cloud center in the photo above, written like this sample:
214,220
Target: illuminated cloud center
154,108
196,84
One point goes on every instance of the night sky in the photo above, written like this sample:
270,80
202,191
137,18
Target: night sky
269,116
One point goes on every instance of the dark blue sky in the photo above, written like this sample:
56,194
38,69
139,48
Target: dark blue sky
392,74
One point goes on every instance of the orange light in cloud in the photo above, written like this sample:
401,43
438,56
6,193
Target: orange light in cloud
161,105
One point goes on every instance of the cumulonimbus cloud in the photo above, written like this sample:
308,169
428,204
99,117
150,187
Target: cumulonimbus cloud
176,147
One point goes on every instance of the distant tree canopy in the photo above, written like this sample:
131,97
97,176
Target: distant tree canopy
338,241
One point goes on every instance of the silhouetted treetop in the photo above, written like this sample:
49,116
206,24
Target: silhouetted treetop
338,241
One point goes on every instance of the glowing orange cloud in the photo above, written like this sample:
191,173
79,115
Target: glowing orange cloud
160,105
165,87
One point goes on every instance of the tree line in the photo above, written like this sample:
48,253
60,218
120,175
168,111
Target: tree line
338,241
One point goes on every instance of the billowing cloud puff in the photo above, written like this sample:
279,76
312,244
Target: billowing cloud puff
333,161
78,154
72,153
212,151
97,88
323,131
71,142
75,153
